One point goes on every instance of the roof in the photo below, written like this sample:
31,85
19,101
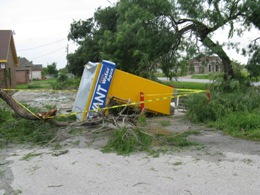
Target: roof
37,67
24,64
7,43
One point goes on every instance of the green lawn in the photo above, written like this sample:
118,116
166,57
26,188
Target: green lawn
41,84
205,76
46,84
214,76
187,85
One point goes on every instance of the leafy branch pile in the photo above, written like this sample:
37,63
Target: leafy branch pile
128,133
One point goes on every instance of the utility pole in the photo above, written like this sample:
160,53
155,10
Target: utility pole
67,50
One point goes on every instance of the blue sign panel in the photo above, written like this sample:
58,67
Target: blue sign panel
102,86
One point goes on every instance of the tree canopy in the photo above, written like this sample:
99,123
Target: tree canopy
51,69
140,35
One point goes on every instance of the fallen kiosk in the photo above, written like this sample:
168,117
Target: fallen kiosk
102,81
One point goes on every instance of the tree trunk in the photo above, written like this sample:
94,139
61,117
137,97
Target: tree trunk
228,70
24,113
202,31
19,110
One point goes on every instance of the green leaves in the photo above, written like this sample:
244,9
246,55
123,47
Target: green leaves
142,35
80,29
253,65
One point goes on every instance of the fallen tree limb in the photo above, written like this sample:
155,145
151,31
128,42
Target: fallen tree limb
19,110
99,117
26,114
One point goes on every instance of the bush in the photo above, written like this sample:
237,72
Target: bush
221,104
234,111
65,83
199,109
62,77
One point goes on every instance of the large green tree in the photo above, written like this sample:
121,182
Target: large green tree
143,35
253,65
51,69
201,19
87,34
140,35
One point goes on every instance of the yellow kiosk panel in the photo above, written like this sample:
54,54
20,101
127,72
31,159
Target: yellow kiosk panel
128,87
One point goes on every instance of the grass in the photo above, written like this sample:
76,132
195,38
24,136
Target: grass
165,123
14,129
242,125
41,84
29,156
17,130
235,111
159,74
125,141
212,76
187,85
178,139
205,76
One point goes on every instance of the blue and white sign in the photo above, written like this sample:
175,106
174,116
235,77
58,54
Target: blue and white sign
102,86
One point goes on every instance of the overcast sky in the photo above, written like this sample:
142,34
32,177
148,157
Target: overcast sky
41,27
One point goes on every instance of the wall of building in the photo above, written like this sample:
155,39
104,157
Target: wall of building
8,75
211,65
37,74
2,78
11,72
22,76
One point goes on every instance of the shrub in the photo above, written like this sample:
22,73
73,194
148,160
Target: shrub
221,104
62,77
235,111
199,109
65,83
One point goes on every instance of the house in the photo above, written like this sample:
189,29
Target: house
8,60
206,64
36,72
27,71
24,71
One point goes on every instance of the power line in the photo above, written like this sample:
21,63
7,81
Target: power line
41,45
49,53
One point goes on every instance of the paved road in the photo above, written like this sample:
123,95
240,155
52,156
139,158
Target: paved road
188,79
219,164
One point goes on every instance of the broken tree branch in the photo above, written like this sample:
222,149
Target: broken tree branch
19,110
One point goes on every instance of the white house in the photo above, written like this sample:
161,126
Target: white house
37,72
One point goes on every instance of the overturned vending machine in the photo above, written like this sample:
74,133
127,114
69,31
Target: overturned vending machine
102,81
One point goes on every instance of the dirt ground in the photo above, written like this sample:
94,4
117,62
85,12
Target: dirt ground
220,164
